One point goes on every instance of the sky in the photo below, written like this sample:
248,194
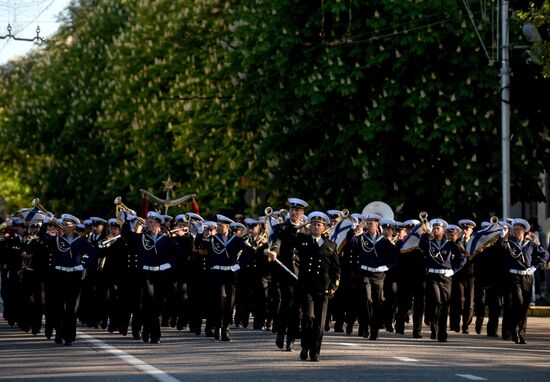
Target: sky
24,16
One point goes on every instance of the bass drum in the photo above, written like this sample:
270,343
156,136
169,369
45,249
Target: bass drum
379,208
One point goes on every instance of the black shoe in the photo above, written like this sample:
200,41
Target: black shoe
442,339
433,336
208,333
173,322
103,324
303,355
68,342
417,335
48,333
225,337
338,327
521,340
155,341
110,328
280,340
479,324
145,336
314,357
58,341
217,333
389,328
373,337
492,335
289,344
327,328
455,329
349,328
123,330
465,331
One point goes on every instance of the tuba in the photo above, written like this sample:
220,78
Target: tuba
379,208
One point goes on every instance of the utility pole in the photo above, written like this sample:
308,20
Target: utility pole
505,106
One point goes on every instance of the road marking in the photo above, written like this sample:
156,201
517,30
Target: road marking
471,377
406,359
347,344
157,374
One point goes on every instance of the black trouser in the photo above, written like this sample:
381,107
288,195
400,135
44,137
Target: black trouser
182,304
438,288
86,309
223,299
314,311
489,295
34,298
9,293
65,299
260,300
372,298
351,291
288,316
462,299
519,291
200,301
155,284
243,296
411,292
390,298
129,298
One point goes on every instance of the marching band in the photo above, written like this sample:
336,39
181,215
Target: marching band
294,273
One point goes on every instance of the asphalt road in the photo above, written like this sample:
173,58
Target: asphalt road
252,356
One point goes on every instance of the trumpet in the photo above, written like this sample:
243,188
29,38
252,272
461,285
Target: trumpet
106,243
36,204
343,214
184,229
119,206
423,216
494,220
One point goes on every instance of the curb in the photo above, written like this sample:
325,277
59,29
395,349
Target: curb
539,311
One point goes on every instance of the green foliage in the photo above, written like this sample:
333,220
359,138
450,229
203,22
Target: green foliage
397,105
538,14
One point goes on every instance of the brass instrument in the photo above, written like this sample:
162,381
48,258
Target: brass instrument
423,216
184,229
36,204
119,206
343,214
494,220
106,243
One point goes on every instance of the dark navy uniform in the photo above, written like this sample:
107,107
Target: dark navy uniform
522,259
199,287
157,255
411,291
70,256
288,317
375,255
224,256
351,286
319,274
442,260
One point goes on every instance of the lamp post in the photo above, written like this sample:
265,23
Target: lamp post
505,106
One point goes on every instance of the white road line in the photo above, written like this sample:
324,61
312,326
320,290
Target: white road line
406,359
347,344
471,377
157,374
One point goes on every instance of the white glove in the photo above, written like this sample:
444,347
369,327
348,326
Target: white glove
79,267
165,266
46,219
355,223
449,272
504,231
235,267
531,270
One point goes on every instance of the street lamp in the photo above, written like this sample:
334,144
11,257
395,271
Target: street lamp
505,107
